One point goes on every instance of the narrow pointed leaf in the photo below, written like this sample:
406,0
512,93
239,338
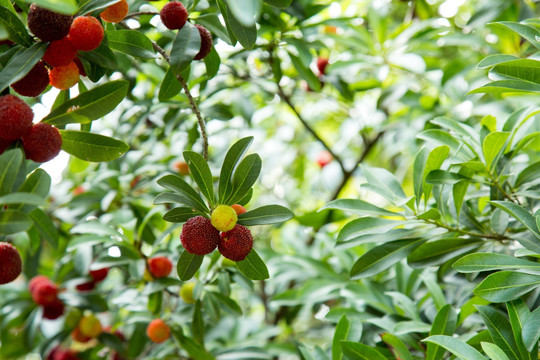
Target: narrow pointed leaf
500,330
253,267
92,147
504,286
181,187
459,348
21,63
359,351
187,265
244,177
232,158
186,45
268,214
443,324
201,174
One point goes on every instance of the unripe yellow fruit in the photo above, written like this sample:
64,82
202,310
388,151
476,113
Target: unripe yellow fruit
90,326
186,292
224,218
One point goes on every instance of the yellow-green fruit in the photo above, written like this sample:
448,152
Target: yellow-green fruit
90,326
186,292
224,218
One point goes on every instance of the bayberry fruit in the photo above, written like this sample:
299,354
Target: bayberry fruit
174,15
15,118
33,83
236,244
206,42
43,143
86,33
10,263
198,236
48,25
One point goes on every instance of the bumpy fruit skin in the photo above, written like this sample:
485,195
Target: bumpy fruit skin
33,83
324,158
90,326
44,292
4,144
160,266
236,244
99,275
48,25
239,209
186,292
158,331
64,77
86,33
15,118
198,236
116,12
322,63
174,15
224,218
43,143
10,263
60,53
53,310
206,42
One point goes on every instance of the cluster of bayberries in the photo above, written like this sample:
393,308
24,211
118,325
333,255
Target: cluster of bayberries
41,142
201,236
45,293
174,16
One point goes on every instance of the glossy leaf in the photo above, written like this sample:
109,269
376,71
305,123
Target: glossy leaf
230,163
179,214
438,251
518,313
518,213
504,286
462,350
359,207
492,146
358,351
341,333
495,59
246,35
92,147
491,261
170,86
264,215
493,351
12,222
201,173
187,265
531,330
253,267
244,177
188,195
10,162
186,45
22,198
500,330
21,63
443,324
247,12
131,42
305,73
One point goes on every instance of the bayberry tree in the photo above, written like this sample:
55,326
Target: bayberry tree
277,179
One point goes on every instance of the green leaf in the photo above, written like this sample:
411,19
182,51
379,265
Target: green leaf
457,347
195,350
45,226
15,27
443,324
253,267
382,257
518,213
524,69
358,351
92,147
247,12
384,183
68,7
246,35
187,265
244,178
197,323
341,333
531,330
492,146
179,214
501,86
90,105
504,286
131,42
186,45
439,251
443,177
500,330
305,73
12,222
212,22
526,31
281,4
492,261
21,63
495,59
22,198
359,207
433,162
444,138
366,225
200,171
88,6
232,158
10,163
493,351
398,347
212,61
518,313
530,173
228,303
170,86
188,195
264,215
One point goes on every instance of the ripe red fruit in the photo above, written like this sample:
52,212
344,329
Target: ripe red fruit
116,12
86,33
53,310
324,158
99,275
15,118
158,331
239,209
44,292
174,15
33,83
198,236
80,65
35,281
86,286
64,77
43,143
160,266
60,53
322,63
206,42
236,244
62,354
10,263
48,25
4,144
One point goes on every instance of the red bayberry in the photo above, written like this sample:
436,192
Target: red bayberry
60,53
324,158
198,236
174,15
158,331
10,263
15,118
99,275
53,310
48,25
116,12
45,292
236,244
33,83
206,42
160,266
64,77
322,63
86,33
80,65
86,286
43,143
4,144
